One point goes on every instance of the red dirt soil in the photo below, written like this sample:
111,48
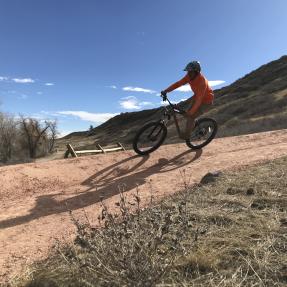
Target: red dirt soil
36,197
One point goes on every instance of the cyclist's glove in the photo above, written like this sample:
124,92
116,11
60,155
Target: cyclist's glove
163,94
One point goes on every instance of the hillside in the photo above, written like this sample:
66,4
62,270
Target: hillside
257,102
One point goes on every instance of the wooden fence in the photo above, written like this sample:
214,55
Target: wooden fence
75,153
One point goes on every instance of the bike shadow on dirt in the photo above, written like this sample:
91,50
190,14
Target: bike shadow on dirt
103,185
118,170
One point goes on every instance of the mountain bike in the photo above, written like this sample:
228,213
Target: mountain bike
152,135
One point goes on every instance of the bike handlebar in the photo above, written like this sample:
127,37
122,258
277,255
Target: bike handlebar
165,98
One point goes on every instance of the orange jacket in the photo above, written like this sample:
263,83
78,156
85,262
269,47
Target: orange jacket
202,91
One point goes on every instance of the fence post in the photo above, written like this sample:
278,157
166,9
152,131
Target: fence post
120,145
71,150
99,146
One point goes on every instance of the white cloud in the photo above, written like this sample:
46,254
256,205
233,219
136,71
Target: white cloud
3,78
166,103
49,84
132,103
216,83
163,103
23,80
86,116
113,87
186,88
44,115
137,89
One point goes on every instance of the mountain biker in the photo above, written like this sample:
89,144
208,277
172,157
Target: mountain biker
202,99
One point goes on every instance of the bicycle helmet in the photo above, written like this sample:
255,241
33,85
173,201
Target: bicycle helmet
193,66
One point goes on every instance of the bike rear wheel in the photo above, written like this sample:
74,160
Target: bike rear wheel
203,133
149,138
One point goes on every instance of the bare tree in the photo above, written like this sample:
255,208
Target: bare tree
52,135
8,131
25,137
34,133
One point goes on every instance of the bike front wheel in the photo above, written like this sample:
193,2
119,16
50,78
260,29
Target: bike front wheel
149,138
204,132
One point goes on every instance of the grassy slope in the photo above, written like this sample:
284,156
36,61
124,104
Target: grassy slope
231,232
254,103
257,102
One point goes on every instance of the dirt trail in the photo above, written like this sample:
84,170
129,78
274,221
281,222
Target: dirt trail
35,197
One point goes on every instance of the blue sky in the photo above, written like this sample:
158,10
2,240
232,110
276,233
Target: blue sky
85,61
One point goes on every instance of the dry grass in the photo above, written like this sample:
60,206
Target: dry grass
232,232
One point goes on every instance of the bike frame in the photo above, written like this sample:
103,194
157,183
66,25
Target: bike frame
172,113
145,143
